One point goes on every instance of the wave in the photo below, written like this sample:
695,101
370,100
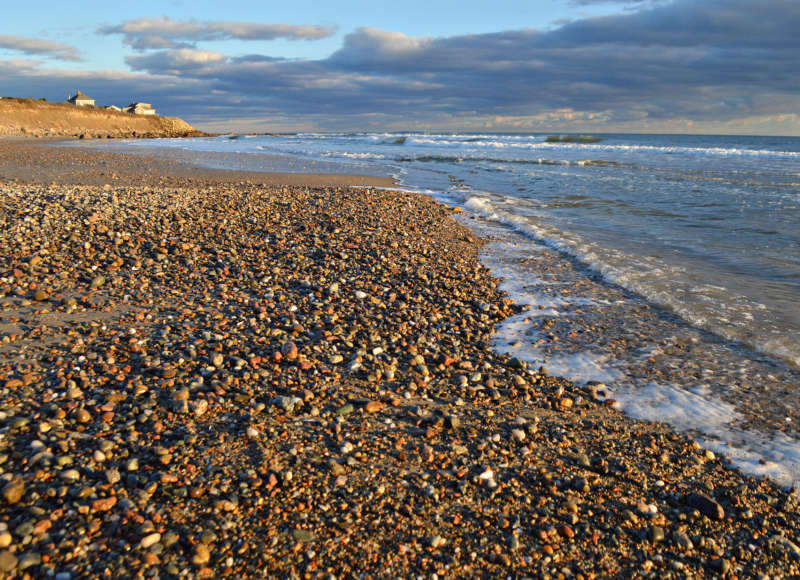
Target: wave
532,142
571,146
427,158
712,308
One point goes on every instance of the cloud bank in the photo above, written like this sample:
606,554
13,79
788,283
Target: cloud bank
715,65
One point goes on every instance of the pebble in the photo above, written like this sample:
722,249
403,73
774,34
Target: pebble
228,308
28,560
8,561
149,540
202,555
13,491
706,505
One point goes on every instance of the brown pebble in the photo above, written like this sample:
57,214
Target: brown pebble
201,555
14,490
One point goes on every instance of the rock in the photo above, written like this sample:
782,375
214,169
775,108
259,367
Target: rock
199,407
5,539
97,282
284,403
70,475
437,542
201,555
303,536
787,545
720,565
41,295
149,540
289,350
8,561
656,534
706,506
566,532
516,363
345,410
29,559
112,476
682,540
14,490
104,504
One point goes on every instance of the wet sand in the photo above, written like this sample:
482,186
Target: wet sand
215,374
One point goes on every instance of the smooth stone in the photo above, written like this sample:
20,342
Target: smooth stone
14,490
29,559
303,536
150,539
656,534
706,506
8,561
201,555
345,410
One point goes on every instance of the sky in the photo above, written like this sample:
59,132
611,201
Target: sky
662,66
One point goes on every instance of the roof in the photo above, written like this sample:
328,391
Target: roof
79,96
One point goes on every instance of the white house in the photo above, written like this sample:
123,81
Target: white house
81,100
140,109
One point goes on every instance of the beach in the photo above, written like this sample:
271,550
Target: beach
210,373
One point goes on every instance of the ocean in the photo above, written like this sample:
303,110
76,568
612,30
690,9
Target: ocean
663,269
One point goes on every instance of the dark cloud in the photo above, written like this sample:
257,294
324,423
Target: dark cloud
161,33
39,47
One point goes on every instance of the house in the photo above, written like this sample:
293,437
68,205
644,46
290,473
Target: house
140,109
113,108
81,100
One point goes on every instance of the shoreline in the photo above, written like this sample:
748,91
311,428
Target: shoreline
237,377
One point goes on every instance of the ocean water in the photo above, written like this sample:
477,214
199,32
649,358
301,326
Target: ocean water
665,266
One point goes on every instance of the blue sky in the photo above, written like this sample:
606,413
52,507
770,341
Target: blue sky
720,66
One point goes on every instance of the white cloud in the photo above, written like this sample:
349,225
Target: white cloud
159,33
38,46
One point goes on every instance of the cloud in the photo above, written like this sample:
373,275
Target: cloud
38,46
727,64
176,62
161,33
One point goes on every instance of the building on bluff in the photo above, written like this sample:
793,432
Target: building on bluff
140,109
81,100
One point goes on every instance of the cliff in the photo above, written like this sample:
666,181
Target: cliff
30,118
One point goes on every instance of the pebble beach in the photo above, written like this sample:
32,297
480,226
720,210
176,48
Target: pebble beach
211,374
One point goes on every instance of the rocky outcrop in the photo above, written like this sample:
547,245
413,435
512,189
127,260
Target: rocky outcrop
30,118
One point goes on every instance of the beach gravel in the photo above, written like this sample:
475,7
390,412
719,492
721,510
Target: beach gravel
291,381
